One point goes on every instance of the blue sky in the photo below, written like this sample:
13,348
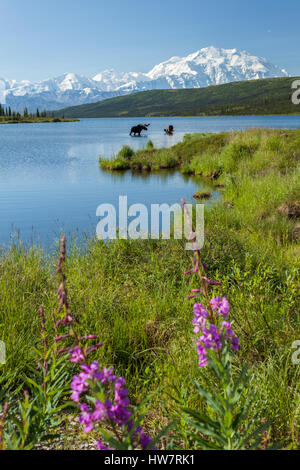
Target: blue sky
45,38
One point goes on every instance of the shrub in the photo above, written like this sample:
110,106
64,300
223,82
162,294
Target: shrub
186,169
166,159
206,165
150,145
126,152
114,164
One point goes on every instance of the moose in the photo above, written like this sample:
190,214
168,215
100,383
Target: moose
169,130
136,130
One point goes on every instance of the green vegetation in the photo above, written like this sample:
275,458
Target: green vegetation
200,194
149,145
126,152
147,159
7,116
35,120
134,294
256,97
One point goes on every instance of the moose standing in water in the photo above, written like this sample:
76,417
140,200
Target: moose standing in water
136,130
169,130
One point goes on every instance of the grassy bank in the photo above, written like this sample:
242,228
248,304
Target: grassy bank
148,159
26,120
134,293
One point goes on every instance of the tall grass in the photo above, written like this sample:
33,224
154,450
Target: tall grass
132,293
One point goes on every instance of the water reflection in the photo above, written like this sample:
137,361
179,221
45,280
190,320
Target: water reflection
50,178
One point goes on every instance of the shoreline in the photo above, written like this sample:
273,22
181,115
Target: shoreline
188,116
44,121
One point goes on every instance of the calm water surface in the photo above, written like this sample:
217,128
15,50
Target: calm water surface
50,179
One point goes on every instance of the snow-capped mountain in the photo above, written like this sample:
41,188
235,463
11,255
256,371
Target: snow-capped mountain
66,90
212,66
111,80
208,66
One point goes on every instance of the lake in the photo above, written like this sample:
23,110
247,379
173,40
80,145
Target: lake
50,180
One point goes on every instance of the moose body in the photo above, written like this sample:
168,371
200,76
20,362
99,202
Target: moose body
169,130
136,130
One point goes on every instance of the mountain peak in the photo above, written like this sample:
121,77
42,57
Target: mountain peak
207,66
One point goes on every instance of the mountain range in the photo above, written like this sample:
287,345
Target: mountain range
205,67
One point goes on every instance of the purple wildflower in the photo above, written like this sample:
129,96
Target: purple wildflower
229,335
211,338
209,281
200,316
144,440
101,446
107,376
221,305
80,383
115,406
202,354
100,412
86,417
76,354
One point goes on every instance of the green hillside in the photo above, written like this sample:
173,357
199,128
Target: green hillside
267,96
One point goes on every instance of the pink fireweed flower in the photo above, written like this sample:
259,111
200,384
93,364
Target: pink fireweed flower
101,446
140,435
221,305
145,440
229,335
200,317
115,406
93,348
60,338
76,355
65,320
202,354
189,271
86,418
196,293
235,343
89,337
101,410
80,383
199,310
107,376
210,281
211,338
196,267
